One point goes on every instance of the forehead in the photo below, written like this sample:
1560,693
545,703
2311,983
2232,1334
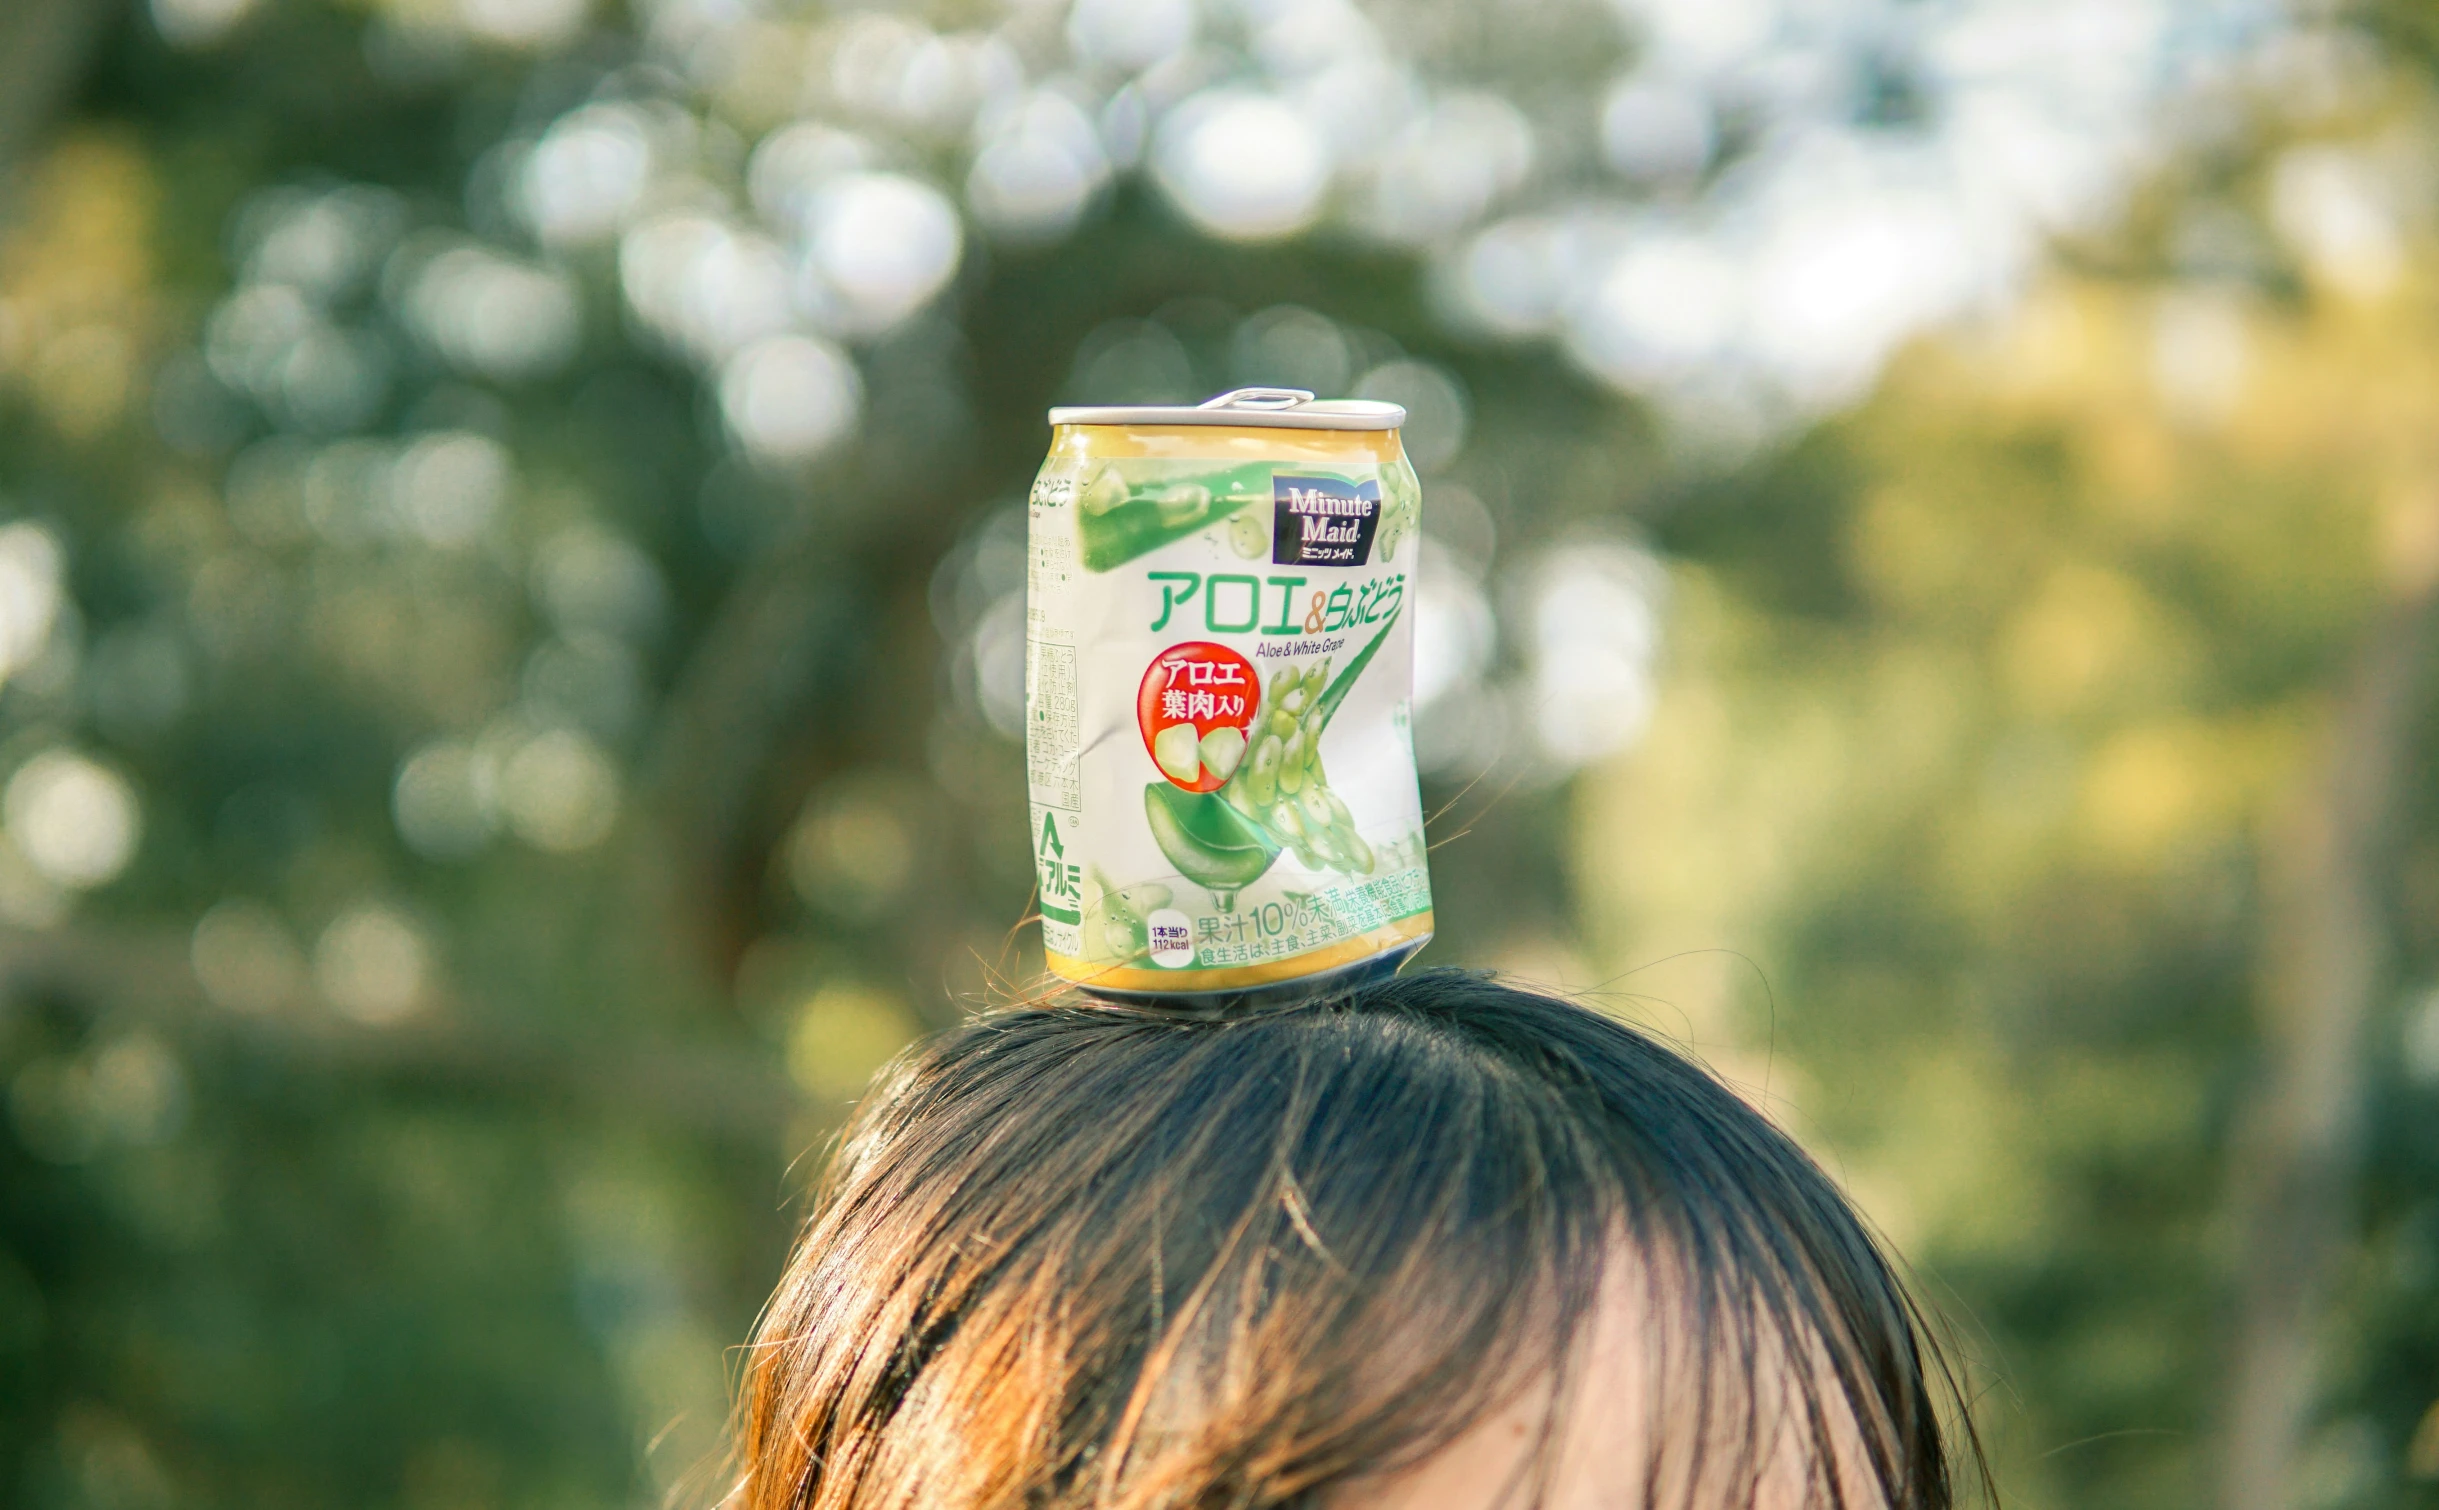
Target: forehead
1651,1415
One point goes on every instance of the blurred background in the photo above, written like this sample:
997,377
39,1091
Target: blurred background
511,660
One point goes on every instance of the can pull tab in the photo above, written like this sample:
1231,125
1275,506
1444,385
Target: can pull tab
1258,398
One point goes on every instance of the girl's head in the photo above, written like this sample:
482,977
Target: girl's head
1433,1242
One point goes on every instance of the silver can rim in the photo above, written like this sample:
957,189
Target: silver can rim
1270,408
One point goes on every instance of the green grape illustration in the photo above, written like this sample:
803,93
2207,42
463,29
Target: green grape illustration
1115,928
1278,799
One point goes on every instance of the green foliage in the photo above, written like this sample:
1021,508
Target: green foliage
549,814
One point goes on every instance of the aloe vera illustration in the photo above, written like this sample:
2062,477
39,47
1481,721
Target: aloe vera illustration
1119,518
1279,798
1211,843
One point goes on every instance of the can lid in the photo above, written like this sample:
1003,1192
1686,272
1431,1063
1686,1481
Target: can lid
1283,408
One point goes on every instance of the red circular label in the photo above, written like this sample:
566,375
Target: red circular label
1205,688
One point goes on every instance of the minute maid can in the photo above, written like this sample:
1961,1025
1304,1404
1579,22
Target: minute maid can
1219,677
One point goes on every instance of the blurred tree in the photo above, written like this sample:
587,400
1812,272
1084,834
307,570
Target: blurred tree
2054,730
480,781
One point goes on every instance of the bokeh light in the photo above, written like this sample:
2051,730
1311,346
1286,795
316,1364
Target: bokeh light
198,23
1593,610
531,24
490,313
852,854
998,660
589,578
443,801
1129,35
559,791
1040,163
1132,362
1657,129
792,164
128,1091
1244,166
584,177
246,960
2337,207
449,486
1289,346
1667,309
1454,630
881,246
790,398
703,285
841,1035
1447,167
373,965
74,820
29,593
1437,411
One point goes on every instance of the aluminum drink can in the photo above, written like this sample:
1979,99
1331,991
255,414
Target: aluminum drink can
1219,668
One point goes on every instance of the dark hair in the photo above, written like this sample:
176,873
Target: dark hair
1086,1255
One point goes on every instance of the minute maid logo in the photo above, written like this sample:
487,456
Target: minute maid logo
1323,521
